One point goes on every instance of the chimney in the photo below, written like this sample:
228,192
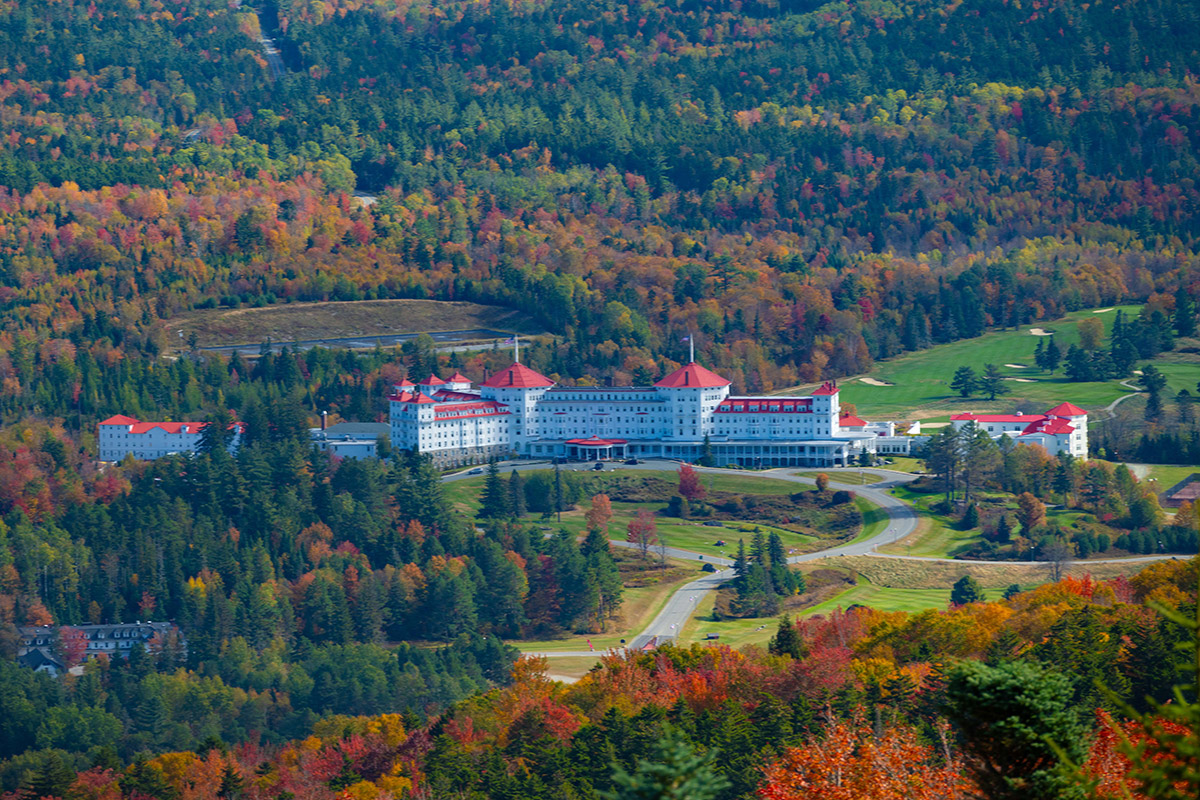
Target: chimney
324,419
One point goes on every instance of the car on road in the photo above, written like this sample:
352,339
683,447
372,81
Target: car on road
599,467
476,471
633,461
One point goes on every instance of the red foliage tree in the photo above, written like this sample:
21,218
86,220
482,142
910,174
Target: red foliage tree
689,484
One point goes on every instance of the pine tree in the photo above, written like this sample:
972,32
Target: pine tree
992,383
964,381
1004,530
676,772
786,641
495,501
51,778
1053,355
1185,313
516,495
1039,354
966,590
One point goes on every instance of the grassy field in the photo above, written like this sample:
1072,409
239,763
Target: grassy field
884,599
921,381
898,573
690,535
333,320
1167,475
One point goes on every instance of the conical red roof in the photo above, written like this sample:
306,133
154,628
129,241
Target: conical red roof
1066,410
518,376
692,376
458,377
433,380
421,397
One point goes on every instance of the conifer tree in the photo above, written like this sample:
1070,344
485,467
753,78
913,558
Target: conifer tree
495,501
786,641
516,495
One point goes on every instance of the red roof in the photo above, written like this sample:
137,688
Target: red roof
169,427
433,380
401,397
851,421
763,405
1052,426
120,419
458,377
826,389
692,376
1066,410
595,442
999,417
518,376
421,397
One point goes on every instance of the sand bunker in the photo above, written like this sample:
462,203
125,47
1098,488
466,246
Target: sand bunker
1041,332
1021,380
1138,372
1101,310
873,382
1016,366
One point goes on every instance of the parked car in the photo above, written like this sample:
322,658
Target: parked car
599,466
632,461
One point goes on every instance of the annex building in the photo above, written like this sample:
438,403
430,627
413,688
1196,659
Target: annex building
1062,429
122,436
521,412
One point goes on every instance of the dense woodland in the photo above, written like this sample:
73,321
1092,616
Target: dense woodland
804,188
807,188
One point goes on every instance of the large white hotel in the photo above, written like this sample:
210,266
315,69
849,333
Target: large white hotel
521,412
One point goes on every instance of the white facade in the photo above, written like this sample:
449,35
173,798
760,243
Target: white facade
1062,429
520,412
121,436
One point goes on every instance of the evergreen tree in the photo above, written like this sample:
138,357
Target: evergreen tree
992,383
1039,354
51,778
966,590
1053,355
1016,719
216,434
495,503
1004,530
706,453
675,772
1185,313
786,641
516,495
964,381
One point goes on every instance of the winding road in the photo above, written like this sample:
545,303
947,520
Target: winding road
902,521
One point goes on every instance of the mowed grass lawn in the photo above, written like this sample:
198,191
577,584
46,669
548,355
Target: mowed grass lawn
921,380
884,599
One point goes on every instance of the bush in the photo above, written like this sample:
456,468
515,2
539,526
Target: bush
841,497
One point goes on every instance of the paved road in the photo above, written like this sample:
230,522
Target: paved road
679,609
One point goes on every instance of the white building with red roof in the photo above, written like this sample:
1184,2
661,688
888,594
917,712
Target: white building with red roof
520,412
1062,429
122,436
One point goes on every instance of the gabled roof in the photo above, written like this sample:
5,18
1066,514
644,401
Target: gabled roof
1051,425
827,388
851,421
421,397
401,397
692,376
1066,410
458,377
518,376
433,380
595,441
120,419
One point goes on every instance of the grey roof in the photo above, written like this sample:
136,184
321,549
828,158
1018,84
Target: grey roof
375,429
37,657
